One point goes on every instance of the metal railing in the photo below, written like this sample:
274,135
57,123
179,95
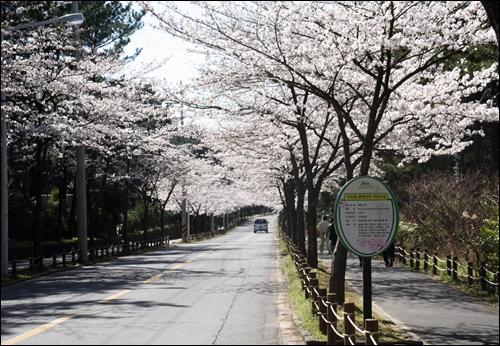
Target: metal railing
73,257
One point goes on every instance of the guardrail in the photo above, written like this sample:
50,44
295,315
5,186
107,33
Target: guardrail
325,306
470,274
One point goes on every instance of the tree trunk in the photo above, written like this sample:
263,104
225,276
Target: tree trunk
146,216
339,258
301,237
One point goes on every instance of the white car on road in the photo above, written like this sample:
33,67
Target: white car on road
260,225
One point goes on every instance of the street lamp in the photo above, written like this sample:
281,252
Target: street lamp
74,18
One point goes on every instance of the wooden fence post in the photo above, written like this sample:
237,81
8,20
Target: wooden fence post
411,258
404,255
322,310
497,281
455,267
313,298
426,260
448,265
304,273
349,330
371,325
54,259
14,266
332,319
482,273
469,273
32,267
435,263
417,261
307,283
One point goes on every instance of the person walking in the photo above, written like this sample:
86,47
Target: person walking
331,234
388,255
323,225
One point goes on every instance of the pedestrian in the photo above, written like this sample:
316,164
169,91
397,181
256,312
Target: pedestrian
331,234
323,225
388,255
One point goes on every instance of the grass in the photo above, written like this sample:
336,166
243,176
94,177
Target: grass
21,276
302,308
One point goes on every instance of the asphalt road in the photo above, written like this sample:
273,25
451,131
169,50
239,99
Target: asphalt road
425,308
226,290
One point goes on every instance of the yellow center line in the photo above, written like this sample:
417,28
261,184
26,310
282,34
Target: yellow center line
190,260
176,267
37,330
115,296
202,254
153,278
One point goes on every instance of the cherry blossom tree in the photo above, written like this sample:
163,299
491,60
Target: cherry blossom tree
64,103
377,66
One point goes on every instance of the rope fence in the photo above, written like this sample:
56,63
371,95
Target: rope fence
469,273
324,305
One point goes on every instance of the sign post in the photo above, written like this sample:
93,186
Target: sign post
366,220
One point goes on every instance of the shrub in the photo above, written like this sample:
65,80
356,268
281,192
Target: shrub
449,215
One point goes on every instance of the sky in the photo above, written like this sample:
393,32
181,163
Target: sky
157,45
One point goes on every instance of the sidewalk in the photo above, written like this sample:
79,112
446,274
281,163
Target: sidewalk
425,308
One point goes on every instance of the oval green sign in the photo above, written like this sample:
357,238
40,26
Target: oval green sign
366,216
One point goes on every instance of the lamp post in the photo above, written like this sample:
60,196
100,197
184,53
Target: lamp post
75,18
81,183
184,215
